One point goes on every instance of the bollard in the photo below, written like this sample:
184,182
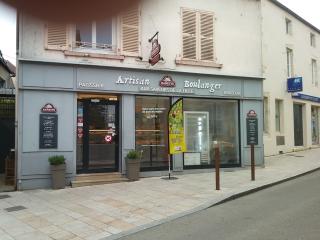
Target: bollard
253,174
217,166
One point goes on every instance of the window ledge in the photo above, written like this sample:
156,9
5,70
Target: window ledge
94,55
198,63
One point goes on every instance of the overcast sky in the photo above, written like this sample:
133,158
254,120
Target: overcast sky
308,9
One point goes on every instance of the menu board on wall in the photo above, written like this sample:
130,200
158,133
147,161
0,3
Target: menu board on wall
48,131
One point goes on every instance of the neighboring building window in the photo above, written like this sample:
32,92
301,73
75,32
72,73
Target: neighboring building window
265,115
278,114
197,35
315,125
95,35
314,72
312,40
288,26
289,62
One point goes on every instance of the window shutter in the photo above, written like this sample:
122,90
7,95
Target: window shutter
189,30
56,36
206,36
130,22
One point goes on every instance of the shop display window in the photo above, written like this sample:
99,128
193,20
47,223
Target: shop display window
205,122
152,131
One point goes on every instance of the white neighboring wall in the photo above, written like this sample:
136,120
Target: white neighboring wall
275,41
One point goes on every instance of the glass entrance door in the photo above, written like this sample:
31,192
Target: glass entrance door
98,136
298,125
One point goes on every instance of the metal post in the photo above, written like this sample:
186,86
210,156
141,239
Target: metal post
169,157
253,177
217,166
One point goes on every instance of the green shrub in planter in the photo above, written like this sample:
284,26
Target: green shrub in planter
58,171
133,154
57,160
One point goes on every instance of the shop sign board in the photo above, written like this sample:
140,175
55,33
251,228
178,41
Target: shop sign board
176,128
252,128
152,82
294,84
48,131
306,97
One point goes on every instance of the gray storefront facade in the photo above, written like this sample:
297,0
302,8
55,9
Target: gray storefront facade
103,112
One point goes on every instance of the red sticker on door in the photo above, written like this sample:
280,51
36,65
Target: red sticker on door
108,138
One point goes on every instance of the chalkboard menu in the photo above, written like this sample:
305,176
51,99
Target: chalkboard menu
252,131
48,131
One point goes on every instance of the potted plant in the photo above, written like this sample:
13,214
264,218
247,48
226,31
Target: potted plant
58,171
133,165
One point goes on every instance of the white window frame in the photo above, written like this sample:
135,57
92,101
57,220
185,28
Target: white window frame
313,40
288,26
289,59
93,47
314,72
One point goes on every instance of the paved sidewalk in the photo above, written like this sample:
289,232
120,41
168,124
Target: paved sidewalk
110,211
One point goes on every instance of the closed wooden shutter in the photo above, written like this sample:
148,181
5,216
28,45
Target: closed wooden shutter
189,34
130,36
56,36
206,36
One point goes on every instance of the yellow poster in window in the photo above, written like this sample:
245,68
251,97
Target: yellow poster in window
176,128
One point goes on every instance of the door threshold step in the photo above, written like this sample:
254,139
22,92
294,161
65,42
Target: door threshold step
98,176
97,179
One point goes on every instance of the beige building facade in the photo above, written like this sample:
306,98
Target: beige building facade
290,50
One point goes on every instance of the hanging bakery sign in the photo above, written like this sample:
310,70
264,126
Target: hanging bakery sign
48,108
155,50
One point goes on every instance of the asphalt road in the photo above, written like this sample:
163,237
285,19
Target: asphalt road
289,211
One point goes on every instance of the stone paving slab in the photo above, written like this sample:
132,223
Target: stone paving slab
114,210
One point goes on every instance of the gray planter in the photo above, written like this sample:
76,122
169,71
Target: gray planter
58,173
133,169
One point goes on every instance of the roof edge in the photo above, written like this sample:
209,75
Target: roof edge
285,8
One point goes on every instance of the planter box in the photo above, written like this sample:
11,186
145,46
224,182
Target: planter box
58,173
133,169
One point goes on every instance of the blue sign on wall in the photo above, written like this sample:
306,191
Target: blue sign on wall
306,97
294,84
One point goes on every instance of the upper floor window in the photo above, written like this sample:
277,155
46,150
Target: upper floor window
120,35
289,62
95,35
312,40
314,71
288,26
197,35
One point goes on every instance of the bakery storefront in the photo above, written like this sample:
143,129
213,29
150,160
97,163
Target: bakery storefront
119,110
104,112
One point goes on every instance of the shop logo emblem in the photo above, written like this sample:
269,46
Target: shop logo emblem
48,108
167,81
251,114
